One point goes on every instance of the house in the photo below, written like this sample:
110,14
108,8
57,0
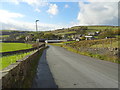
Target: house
17,38
68,35
37,40
29,37
91,33
64,36
89,37
97,32
77,39
94,33
109,37
77,36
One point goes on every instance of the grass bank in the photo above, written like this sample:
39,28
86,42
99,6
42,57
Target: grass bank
100,43
98,56
93,45
7,60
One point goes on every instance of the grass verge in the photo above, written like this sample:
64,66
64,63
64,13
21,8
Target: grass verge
7,60
98,56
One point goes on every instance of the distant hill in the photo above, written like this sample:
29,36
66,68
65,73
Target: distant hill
59,32
8,32
75,28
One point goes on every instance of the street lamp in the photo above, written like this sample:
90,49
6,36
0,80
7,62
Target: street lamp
36,25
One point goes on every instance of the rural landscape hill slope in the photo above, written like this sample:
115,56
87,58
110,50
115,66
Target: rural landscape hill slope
89,29
64,33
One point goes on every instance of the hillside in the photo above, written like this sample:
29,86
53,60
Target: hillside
64,33
76,28
12,34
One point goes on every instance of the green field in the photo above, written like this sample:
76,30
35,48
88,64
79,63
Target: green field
1,36
14,46
7,60
75,28
70,32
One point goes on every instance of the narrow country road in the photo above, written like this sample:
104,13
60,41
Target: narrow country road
71,70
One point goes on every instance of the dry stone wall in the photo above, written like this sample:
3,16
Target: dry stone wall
14,76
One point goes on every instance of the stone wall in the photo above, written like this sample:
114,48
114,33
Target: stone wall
17,75
20,51
12,41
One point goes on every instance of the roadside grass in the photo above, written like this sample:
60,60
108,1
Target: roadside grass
99,42
64,42
61,44
98,56
14,46
7,60
112,45
69,42
56,44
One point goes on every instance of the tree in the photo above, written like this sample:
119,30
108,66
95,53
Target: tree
50,36
21,38
38,35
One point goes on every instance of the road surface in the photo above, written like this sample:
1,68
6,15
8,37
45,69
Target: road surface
71,70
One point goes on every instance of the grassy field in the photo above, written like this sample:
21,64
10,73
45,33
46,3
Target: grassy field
62,33
68,42
14,46
102,27
90,29
7,60
1,36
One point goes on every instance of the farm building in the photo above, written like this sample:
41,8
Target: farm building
89,37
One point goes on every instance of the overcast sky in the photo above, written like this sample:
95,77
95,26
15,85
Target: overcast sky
21,14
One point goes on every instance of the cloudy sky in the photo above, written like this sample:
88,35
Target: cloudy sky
56,14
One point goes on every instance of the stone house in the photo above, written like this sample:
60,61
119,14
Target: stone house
77,36
91,33
29,37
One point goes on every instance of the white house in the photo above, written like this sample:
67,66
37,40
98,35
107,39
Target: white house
89,37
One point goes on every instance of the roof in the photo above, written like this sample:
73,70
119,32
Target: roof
88,36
